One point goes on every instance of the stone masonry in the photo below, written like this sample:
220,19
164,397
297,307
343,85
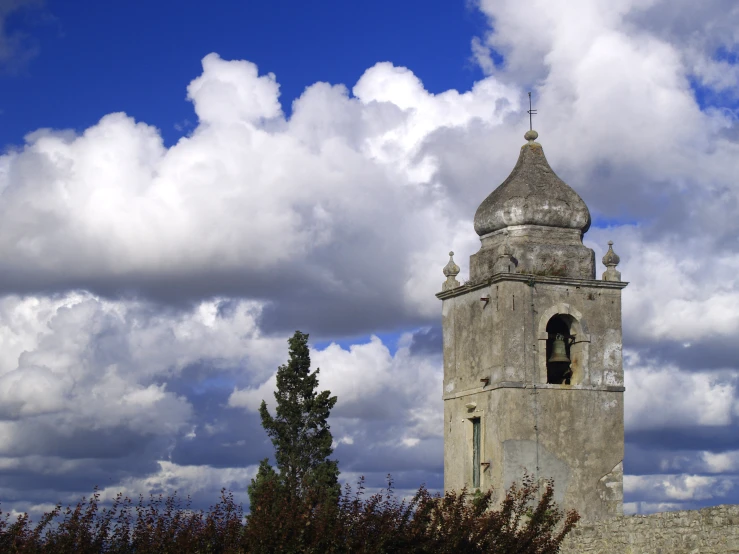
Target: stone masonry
712,530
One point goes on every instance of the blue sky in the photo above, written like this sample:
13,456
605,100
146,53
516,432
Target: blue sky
181,187
138,56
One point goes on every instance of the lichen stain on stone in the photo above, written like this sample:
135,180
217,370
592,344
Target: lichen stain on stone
611,379
610,404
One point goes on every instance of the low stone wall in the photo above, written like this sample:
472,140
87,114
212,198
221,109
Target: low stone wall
706,531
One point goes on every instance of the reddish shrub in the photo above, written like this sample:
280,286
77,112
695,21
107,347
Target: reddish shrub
527,522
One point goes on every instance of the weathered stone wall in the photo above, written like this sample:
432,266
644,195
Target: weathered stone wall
495,372
707,531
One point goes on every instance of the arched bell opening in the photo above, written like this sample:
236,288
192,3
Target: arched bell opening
566,321
559,349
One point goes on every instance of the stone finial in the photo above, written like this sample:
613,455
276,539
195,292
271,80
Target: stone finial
451,270
611,260
531,135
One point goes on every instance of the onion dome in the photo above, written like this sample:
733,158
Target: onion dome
532,195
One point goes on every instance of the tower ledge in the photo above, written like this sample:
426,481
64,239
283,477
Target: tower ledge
539,386
530,280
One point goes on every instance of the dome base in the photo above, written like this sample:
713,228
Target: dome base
535,250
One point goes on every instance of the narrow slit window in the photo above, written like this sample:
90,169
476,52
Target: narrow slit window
476,452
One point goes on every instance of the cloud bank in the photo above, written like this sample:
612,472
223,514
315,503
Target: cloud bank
148,291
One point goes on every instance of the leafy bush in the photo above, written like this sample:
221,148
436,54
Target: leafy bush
160,526
526,522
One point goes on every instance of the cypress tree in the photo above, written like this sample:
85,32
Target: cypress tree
300,433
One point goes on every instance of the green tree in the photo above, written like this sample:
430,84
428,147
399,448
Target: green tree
300,434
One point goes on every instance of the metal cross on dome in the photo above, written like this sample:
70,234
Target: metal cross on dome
531,113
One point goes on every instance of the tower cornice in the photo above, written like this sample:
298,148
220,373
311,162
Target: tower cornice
530,280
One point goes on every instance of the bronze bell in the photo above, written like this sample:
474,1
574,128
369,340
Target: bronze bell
559,352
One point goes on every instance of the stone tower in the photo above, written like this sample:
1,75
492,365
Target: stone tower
533,378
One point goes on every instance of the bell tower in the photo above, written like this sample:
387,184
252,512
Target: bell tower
533,376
